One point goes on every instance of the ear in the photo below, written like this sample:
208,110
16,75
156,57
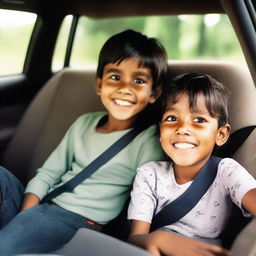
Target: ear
98,84
223,135
155,94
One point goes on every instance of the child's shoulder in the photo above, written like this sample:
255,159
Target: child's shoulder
150,132
227,166
228,162
156,166
89,117
163,164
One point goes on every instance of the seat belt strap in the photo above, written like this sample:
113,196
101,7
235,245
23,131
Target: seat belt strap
179,207
95,164
235,141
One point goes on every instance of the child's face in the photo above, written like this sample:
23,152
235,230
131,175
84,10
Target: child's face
188,136
125,89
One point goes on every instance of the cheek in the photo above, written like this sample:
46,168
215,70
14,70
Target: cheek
105,91
164,135
165,144
143,99
211,132
143,92
209,137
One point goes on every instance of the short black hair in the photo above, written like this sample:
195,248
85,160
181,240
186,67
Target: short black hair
216,94
132,44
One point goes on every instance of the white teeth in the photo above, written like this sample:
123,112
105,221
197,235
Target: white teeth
183,145
123,102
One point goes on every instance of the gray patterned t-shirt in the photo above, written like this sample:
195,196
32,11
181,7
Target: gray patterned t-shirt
155,186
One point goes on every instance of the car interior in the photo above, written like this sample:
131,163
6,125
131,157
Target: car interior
49,104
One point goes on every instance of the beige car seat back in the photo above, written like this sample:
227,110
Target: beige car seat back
64,97
71,93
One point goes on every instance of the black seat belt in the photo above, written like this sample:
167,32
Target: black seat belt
95,164
179,207
235,141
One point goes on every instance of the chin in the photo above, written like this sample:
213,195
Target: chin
183,161
184,164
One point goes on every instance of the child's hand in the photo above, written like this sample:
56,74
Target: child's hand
29,201
145,241
175,245
160,243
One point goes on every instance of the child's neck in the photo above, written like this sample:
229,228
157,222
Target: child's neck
114,125
184,174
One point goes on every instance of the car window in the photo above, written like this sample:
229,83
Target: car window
185,37
15,32
61,45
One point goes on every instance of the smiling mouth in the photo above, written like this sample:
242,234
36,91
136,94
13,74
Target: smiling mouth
184,145
123,103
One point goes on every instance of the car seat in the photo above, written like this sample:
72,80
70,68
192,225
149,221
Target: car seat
245,242
71,93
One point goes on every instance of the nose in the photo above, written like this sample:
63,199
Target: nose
182,129
125,88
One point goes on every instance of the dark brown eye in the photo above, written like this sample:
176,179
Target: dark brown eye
199,120
115,77
139,81
171,118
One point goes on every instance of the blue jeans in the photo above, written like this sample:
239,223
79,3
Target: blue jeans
11,194
40,229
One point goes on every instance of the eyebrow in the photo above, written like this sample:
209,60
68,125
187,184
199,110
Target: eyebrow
197,111
193,111
169,109
139,73
136,73
114,70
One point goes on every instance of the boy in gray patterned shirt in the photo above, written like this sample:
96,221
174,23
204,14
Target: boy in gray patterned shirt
194,120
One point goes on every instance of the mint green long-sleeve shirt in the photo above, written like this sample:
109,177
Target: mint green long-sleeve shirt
102,196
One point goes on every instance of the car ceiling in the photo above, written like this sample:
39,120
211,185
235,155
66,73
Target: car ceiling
122,8
113,8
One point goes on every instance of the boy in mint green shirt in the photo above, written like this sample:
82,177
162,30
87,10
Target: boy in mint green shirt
131,70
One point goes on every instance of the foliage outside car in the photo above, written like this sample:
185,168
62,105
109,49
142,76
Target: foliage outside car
184,37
